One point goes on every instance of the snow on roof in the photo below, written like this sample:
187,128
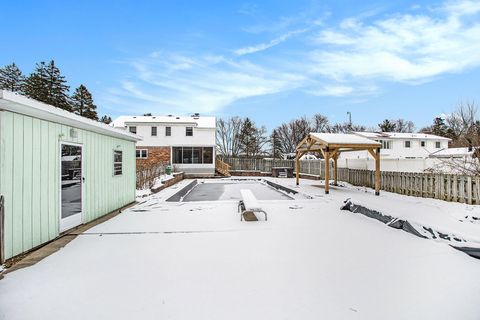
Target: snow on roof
343,138
198,121
20,104
452,152
400,135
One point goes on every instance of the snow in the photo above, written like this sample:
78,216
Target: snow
310,260
399,135
452,152
339,138
200,121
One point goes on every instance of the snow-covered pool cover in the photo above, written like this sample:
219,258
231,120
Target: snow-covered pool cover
230,190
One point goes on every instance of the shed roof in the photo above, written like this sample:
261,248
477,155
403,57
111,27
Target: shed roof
20,104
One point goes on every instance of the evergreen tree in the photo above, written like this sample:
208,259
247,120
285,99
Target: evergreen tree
247,137
387,126
82,103
439,127
11,78
106,119
46,84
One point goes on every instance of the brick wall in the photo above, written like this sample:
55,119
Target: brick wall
156,155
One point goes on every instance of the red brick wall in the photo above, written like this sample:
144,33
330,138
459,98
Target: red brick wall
156,155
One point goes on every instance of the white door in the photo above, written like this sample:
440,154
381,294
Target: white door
71,180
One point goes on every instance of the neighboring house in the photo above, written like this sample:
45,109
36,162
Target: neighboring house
57,171
397,145
454,153
186,142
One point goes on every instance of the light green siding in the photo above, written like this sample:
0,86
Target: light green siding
30,181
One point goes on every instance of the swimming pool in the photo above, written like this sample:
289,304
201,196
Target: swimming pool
230,190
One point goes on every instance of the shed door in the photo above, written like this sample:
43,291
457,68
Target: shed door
71,186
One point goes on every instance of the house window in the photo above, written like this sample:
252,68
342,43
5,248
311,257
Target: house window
154,131
408,144
208,155
386,144
189,131
168,131
195,155
117,163
437,144
133,129
142,153
422,143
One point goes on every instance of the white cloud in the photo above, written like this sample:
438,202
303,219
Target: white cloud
408,48
207,85
267,45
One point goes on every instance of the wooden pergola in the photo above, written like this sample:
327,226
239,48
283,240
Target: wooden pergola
330,145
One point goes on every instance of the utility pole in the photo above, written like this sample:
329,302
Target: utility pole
349,120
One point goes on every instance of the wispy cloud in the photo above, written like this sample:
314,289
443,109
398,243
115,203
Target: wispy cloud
408,48
267,45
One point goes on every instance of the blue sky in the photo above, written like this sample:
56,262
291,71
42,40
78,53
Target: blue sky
270,60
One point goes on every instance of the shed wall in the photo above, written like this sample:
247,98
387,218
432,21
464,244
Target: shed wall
29,178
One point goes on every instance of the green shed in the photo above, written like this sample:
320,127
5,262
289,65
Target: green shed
57,171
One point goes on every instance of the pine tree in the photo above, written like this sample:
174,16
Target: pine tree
247,137
439,128
82,103
46,84
106,119
11,78
387,126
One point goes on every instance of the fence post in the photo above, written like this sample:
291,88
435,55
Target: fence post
2,228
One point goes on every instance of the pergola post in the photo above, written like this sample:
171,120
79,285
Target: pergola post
377,172
335,171
297,167
327,170
376,155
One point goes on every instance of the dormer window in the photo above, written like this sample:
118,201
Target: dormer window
189,131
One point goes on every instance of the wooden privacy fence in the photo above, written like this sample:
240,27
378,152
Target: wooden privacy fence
448,187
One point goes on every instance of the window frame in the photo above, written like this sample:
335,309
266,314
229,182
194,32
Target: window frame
115,174
409,142
153,130
205,151
439,144
168,131
141,156
134,130
423,143
187,129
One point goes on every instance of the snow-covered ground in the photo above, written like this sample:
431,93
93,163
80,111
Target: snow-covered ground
310,260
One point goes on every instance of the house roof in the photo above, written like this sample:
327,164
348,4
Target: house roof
196,121
400,135
451,152
20,104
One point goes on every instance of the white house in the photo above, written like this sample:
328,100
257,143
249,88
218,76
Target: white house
186,142
396,145
408,152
